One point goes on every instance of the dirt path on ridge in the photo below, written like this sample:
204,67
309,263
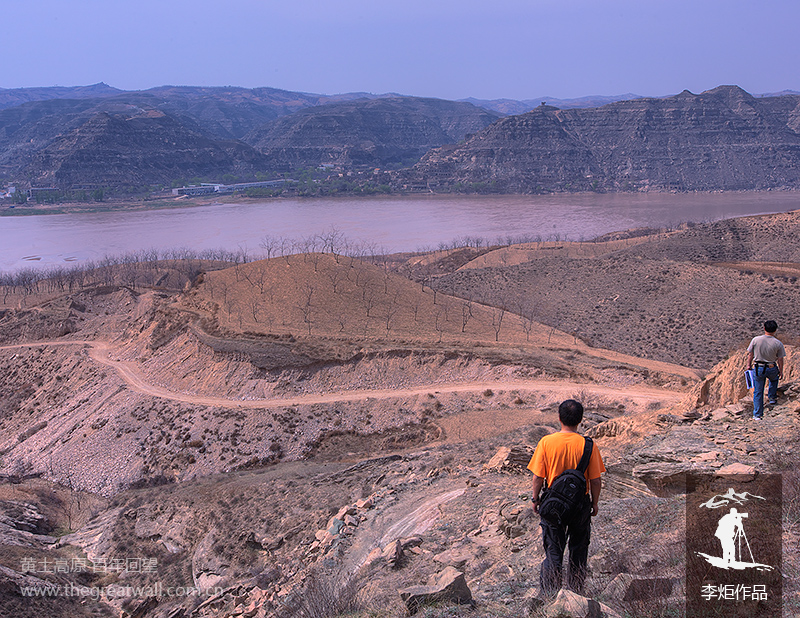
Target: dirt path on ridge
130,374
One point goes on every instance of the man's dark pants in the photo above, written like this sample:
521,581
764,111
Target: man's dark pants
575,535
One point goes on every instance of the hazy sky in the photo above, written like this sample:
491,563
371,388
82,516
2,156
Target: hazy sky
442,48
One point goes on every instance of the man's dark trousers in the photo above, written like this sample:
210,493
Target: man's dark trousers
575,535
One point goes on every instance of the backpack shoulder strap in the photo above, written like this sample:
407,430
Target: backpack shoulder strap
587,453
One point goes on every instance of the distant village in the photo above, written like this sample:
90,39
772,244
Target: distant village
206,188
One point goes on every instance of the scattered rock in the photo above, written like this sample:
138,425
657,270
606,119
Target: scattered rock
22,516
346,510
708,457
141,607
393,554
720,414
738,472
510,459
208,568
513,519
449,586
568,604
365,503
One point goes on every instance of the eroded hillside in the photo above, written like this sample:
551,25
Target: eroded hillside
320,424
690,296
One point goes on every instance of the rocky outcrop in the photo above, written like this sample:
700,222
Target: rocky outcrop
22,524
725,383
510,459
720,139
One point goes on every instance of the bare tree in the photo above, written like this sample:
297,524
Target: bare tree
332,240
255,308
466,314
438,323
270,244
390,310
498,313
306,307
527,323
335,275
369,297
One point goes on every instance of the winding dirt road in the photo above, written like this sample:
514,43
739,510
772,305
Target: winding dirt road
129,372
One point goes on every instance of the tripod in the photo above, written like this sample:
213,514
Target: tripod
737,538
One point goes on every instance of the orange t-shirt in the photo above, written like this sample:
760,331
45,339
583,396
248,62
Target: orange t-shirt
562,451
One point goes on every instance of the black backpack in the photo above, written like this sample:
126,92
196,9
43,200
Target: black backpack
563,499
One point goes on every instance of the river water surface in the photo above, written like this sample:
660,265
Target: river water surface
392,223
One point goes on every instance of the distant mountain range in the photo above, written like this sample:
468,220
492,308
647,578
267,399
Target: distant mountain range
100,136
89,136
720,139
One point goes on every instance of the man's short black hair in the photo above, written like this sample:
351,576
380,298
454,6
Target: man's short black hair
770,326
570,412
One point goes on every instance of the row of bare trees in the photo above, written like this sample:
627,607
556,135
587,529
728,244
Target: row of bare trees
379,302
132,269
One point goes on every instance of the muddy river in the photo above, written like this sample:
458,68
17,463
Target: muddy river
390,223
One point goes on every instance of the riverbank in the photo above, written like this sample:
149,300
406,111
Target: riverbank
165,202
110,205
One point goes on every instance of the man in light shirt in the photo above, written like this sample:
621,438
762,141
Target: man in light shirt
765,356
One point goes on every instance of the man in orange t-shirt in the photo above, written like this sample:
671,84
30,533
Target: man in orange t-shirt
555,453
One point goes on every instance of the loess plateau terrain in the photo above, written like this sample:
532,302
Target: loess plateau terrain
308,434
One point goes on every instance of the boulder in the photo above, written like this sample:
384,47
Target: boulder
335,526
373,556
365,503
449,586
393,554
412,541
738,472
568,604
